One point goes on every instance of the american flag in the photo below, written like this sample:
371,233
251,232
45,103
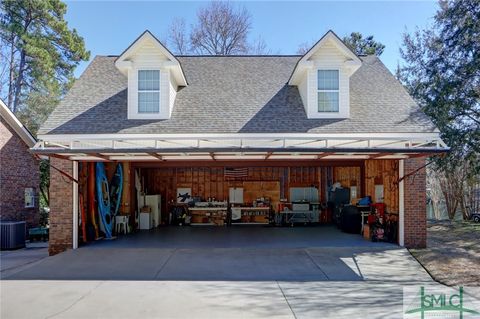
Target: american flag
235,173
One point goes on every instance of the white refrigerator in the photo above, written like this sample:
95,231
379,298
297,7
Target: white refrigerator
154,218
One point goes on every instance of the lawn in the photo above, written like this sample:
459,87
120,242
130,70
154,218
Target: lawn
452,256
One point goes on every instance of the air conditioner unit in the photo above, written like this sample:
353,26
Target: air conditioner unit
12,235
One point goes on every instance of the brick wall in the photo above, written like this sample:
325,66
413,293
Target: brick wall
61,207
415,204
19,169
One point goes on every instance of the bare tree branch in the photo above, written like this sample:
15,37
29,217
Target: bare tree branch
221,30
177,37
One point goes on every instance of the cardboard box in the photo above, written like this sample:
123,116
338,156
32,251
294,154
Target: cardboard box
260,219
366,232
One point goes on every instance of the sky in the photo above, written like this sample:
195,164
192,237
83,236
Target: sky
109,27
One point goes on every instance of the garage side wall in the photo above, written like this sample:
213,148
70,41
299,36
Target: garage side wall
61,207
415,204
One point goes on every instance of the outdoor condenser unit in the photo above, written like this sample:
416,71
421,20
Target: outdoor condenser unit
12,235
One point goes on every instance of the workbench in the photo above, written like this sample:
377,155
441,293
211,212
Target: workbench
208,215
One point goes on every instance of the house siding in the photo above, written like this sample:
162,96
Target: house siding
328,58
19,169
147,58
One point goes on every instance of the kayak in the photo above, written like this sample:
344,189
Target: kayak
116,189
81,203
103,200
92,228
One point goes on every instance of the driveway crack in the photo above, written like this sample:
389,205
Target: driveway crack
313,261
164,264
286,300
76,301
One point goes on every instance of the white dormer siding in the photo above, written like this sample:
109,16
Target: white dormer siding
148,54
328,54
166,88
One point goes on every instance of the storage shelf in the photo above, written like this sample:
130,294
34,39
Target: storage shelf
249,223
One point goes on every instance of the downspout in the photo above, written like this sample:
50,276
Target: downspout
75,206
401,204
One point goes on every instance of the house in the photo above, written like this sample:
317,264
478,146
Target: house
19,171
273,126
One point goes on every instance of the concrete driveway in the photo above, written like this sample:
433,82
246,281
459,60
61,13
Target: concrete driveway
209,279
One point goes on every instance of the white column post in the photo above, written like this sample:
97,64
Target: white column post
75,206
401,204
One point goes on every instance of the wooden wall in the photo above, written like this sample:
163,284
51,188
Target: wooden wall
210,182
377,172
383,172
348,177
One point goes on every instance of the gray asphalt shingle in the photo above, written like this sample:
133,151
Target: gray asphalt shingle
236,94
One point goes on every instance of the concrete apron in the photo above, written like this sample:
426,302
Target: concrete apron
210,283
229,264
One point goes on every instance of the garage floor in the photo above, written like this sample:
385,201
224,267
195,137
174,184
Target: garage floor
232,254
303,272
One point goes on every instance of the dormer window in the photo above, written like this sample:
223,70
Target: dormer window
328,90
154,78
148,91
322,76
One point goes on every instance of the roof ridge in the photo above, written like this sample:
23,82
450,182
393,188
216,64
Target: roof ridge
238,55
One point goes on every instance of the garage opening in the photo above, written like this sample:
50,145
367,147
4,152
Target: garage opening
358,197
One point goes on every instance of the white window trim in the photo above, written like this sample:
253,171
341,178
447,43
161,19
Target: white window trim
141,91
133,113
32,194
329,91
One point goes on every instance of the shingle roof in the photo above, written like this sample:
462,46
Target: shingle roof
244,94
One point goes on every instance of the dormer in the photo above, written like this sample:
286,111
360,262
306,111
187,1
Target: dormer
154,76
322,76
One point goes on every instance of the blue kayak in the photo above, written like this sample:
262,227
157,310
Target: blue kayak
116,188
103,199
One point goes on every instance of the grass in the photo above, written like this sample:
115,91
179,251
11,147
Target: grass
452,255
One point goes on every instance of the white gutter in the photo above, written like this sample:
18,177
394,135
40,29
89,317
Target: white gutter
342,136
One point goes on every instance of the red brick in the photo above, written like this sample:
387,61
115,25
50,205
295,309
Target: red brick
61,207
19,169
415,204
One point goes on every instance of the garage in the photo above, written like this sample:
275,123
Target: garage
287,185
229,194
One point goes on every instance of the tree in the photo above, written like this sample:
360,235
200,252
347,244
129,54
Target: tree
304,47
38,54
220,29
258,47
363,46
177,37
441,70
42,50
355,41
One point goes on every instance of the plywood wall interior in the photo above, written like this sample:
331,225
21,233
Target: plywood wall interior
266,189
383,172
348,177
210,181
